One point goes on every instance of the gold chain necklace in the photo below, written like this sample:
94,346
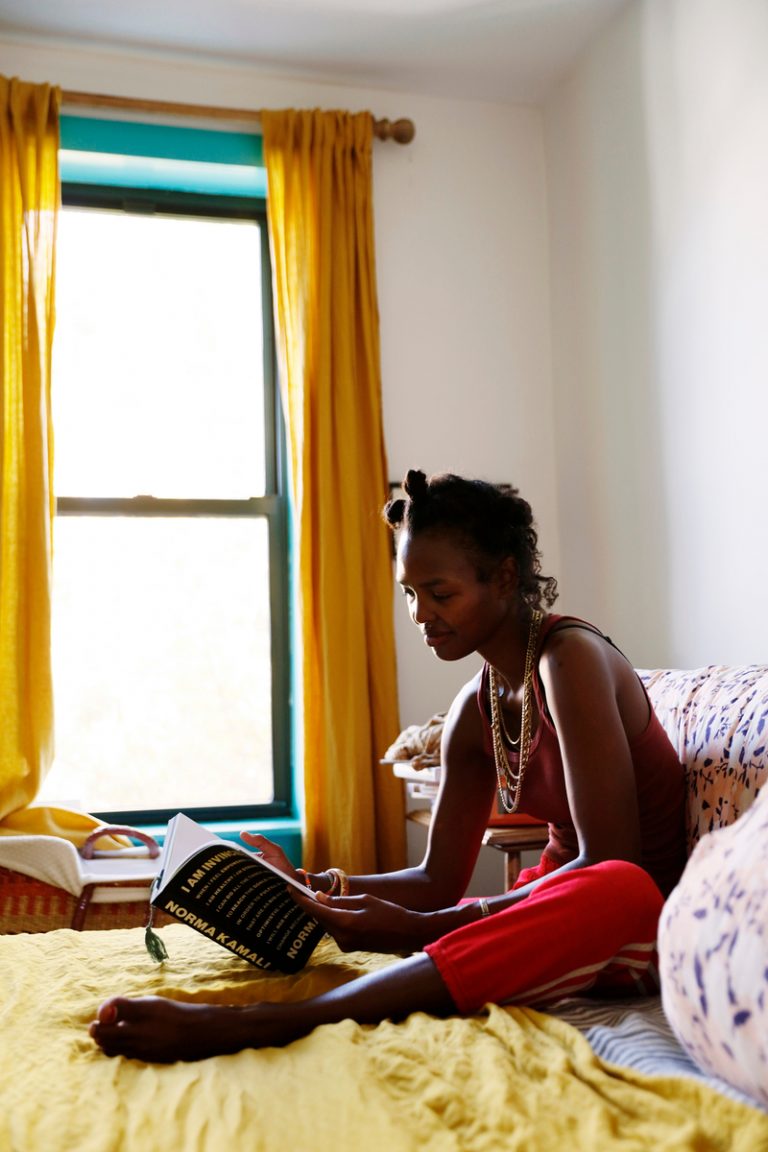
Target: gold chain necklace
512,742
510,783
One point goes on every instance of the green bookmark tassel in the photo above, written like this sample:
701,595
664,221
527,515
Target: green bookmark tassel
155,946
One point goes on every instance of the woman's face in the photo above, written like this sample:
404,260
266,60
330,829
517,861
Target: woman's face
456,611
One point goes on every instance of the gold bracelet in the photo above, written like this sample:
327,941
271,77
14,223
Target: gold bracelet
340,875
333,881
484,909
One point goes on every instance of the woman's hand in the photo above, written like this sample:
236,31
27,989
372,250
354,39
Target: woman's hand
365,923
272,853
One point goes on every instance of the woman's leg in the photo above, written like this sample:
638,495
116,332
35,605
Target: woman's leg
575,930
161,1030
587,928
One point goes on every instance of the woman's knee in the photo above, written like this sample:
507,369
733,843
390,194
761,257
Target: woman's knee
613,892
628,894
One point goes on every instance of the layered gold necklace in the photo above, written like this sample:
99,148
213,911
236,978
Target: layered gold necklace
510,782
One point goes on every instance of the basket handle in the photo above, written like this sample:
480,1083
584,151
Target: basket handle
89,846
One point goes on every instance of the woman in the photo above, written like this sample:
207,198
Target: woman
559,725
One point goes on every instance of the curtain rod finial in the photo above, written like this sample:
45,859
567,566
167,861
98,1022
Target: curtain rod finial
401,131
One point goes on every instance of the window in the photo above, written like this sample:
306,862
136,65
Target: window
170,605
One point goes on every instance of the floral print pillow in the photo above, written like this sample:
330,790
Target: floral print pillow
713,933
713,953
717,720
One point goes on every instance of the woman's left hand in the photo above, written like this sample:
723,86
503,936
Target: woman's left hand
365,923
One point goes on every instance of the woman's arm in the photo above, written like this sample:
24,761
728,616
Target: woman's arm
459,819
596,704
594,700
402,911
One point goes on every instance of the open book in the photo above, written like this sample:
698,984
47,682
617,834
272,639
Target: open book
233,896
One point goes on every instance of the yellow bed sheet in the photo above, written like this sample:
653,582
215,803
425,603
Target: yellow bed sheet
508,1078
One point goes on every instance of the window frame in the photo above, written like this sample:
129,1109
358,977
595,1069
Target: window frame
273,506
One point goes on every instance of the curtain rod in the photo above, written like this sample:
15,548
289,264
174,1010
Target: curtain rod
402,131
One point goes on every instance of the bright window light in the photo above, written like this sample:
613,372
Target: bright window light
163,637
158,354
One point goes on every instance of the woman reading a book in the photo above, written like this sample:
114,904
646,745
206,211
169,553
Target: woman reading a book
556,723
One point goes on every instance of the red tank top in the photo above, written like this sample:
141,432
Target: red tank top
659,775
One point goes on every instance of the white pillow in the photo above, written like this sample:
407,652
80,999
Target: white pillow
713,953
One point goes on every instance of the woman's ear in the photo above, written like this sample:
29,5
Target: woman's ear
507,576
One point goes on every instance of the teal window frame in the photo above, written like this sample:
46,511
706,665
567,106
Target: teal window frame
138,167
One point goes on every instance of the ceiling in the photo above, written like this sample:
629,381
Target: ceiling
510,51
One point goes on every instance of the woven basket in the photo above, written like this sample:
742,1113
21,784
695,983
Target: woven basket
31,905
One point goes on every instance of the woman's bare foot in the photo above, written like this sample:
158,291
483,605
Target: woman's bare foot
159,1030
156,1029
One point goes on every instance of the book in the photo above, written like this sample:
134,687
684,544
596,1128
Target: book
234,897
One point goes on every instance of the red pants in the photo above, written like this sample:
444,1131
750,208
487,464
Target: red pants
591,928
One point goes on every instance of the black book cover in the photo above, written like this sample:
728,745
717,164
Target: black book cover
234,897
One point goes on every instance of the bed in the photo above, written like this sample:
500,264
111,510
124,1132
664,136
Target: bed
585,1077
507,1078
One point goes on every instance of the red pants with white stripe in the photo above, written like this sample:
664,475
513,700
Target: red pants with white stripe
588,929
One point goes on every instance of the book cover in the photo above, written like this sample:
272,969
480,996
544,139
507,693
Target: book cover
234,897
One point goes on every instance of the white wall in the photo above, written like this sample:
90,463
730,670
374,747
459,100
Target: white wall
463,280
573,300
577,309
462,260
657,157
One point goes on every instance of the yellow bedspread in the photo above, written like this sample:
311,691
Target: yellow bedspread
510,1079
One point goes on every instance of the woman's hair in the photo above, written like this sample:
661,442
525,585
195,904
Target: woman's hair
492,521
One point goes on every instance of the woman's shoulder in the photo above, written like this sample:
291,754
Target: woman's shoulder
557,625
570,634
579,663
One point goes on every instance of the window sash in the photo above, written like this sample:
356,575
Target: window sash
273,506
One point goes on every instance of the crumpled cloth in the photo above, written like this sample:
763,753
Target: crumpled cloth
54,820
419,743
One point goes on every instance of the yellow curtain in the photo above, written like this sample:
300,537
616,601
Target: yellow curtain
29,195
29,202
320,212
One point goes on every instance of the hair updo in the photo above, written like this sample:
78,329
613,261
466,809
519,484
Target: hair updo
492,520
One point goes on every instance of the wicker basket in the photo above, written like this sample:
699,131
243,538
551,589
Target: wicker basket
31,905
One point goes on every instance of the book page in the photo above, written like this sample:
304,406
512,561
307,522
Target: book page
185,837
